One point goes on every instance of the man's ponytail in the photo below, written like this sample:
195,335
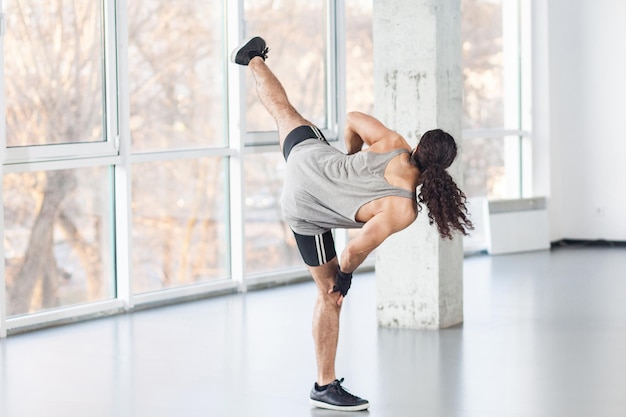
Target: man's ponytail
445,201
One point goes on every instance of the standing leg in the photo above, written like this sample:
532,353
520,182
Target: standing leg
327,391
326,321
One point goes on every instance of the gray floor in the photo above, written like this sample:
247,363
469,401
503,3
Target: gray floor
544,335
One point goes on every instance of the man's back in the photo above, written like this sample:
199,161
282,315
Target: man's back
325,188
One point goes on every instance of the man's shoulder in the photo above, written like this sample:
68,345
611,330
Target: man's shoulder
389,143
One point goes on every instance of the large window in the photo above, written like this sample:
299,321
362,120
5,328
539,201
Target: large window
176,74
177,122
495,40
298,59
57,238
496,68
120,157
59,117
54,77
179,223
138,165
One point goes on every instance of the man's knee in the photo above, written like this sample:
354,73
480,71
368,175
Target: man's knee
325,292
287,120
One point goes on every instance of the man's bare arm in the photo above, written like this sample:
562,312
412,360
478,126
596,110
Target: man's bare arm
373,233
364,129
354,142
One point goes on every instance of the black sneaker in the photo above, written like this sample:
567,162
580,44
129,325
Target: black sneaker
335,397
252,47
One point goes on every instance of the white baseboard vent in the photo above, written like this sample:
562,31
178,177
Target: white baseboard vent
518,225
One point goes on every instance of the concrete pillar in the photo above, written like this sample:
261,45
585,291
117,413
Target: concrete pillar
418,87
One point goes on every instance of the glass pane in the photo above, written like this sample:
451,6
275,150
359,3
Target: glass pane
269,242
53,72
57,238
359,56
180,234
176,75
286,26
483,69
491,167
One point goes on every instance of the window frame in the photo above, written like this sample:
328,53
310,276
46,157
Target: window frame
517,117
109,145
3,295
115,150
517,130
334,26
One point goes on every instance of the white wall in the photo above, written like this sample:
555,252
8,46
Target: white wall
580,115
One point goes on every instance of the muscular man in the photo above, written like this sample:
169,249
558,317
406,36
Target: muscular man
373,189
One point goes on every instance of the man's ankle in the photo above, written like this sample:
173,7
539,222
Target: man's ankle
255,60
324,382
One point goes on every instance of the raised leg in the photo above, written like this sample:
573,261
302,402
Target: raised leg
274,98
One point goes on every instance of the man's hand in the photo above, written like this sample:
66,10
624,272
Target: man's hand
342,284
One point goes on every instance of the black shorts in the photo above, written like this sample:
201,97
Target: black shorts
300,134
316,250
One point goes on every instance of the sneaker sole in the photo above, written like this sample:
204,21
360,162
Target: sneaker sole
327,406
233,55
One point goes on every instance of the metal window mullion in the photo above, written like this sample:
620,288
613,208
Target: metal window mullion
3,142
3,294
333,20
178,154
235,100
520,98
186,292
61,314
110,73
62,164
511,95
338,96
491,133
526,123
38,153
123,174
337,91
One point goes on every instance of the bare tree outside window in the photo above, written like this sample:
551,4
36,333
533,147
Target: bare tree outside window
56,238
54,74
295,31
177,100
179,223
176,75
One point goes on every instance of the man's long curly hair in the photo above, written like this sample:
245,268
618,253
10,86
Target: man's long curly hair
445,201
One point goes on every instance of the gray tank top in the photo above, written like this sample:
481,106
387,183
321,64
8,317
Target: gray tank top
324,188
